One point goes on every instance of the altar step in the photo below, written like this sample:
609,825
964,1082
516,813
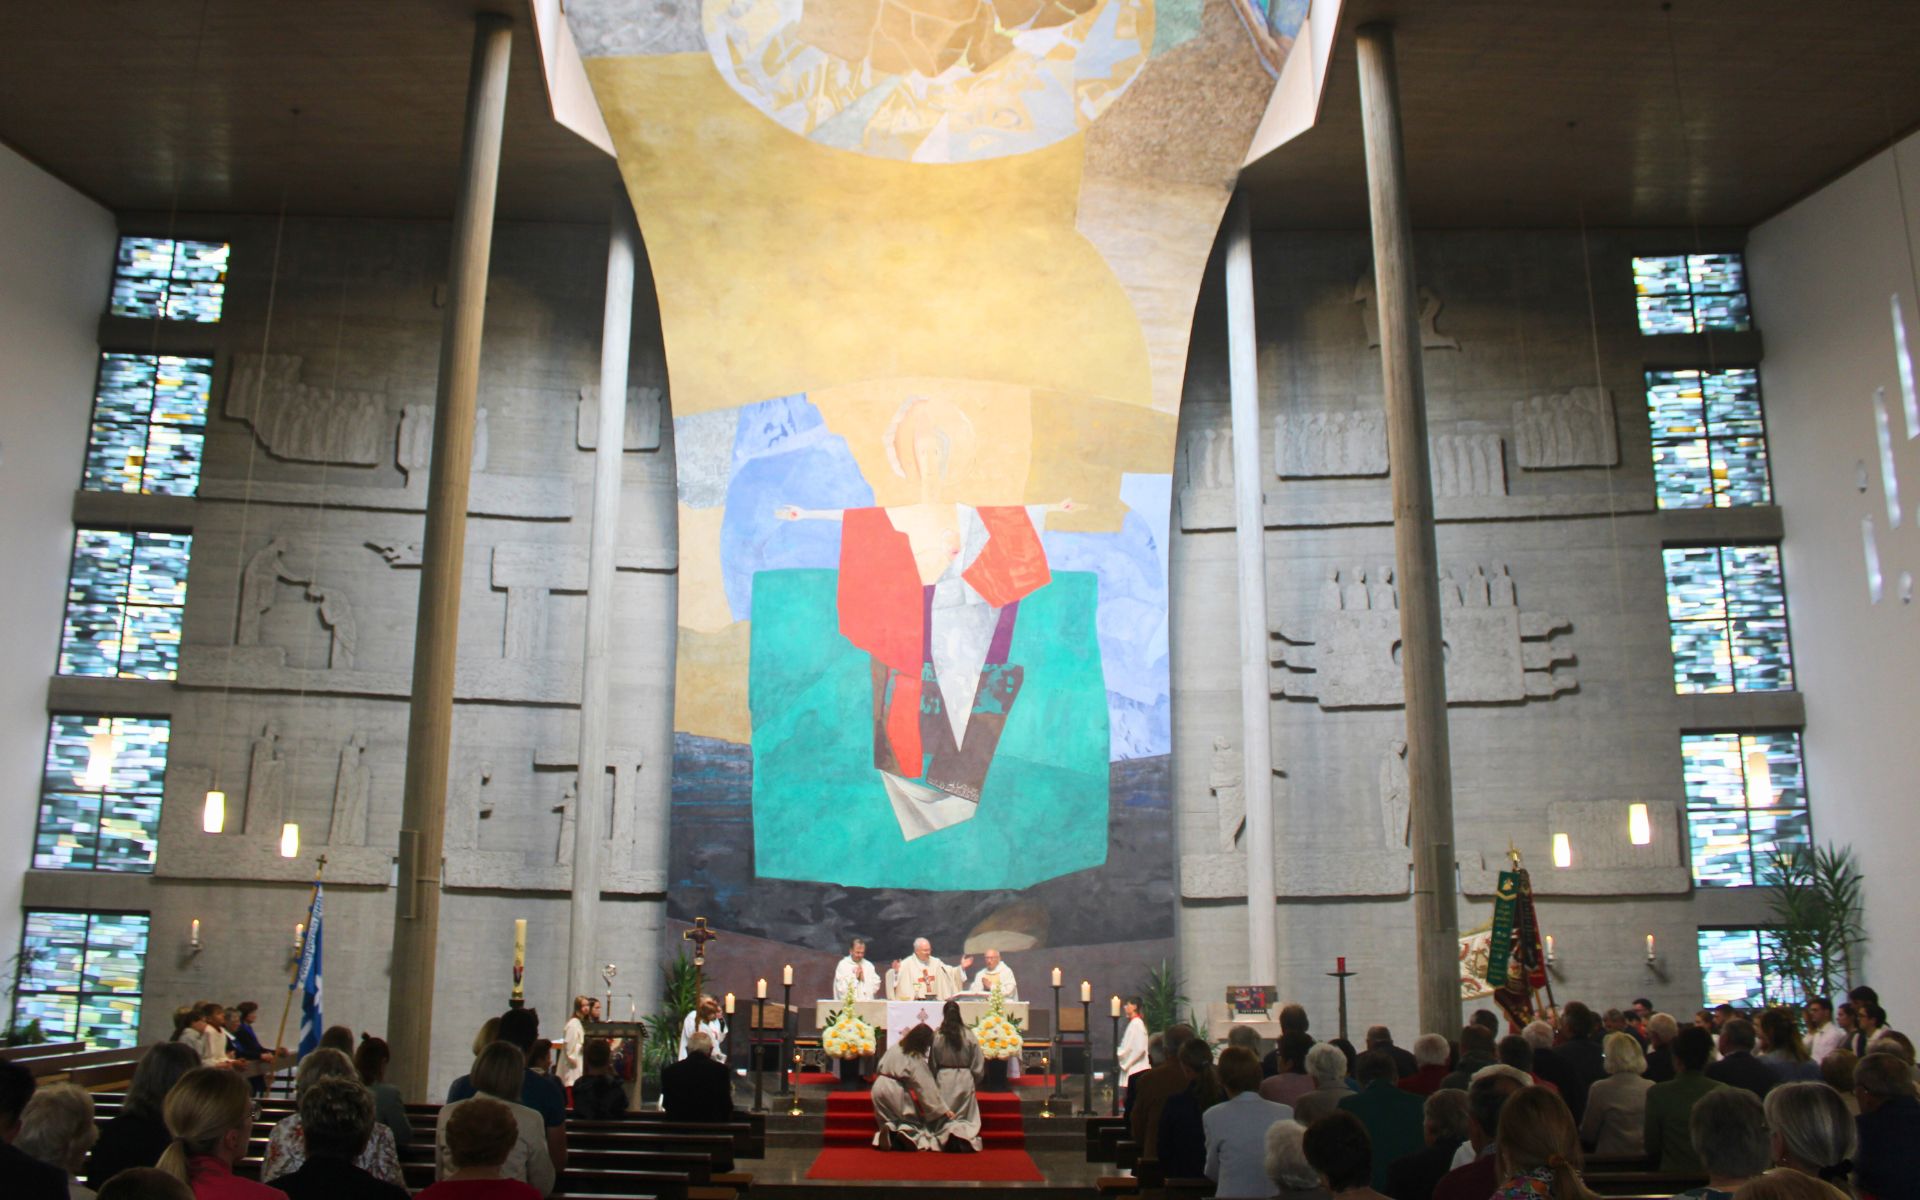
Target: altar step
849,1120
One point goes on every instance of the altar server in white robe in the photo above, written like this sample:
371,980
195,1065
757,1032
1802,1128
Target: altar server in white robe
996,974
857,973
957,1067
924,977
1133,1044
907,1104
705,1018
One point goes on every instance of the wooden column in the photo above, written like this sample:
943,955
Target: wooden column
1416,566
416,925
590,821
1250,533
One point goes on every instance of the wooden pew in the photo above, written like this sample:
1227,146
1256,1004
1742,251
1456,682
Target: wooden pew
41,1050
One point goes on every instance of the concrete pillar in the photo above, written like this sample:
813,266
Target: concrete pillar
1416,565
1250,534
590,821
416,925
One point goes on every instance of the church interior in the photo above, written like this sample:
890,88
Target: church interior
1136,514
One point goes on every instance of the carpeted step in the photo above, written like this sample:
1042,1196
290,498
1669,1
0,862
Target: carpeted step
849,1120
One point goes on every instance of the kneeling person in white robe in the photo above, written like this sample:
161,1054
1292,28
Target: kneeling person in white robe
907,1105
958,1066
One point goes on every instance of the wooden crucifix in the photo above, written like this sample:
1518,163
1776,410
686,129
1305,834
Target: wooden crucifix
700,935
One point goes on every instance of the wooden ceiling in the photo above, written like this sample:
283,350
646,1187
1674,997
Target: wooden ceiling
1517,112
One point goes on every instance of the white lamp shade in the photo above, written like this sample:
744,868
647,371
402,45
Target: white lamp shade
1639,827
290,840
213,814
1562,851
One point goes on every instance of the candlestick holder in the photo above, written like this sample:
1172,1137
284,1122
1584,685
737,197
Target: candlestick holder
1342,974
786,1022
1114,1110
795,1110
1086,1033
753,1048
1058,1090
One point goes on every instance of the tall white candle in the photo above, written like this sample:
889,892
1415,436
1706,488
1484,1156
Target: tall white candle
1056,977
730,1003
760,989
1116,1006
1086,992
786,974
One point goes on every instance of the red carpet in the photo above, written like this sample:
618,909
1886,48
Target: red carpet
812,1078
989,1166
1033,1081
850,1125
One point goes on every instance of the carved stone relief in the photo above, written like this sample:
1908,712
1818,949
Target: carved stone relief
643,419
398,554
300,422
336,616
1330,444
1467,464
266,778
1573,428
1430,337
413,449
260,584
351,788
1396,810
1495,653
1210,459
1224,780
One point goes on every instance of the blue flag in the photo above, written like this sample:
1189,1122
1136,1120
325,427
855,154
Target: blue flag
307,979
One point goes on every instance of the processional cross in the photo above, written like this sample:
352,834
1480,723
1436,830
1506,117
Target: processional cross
700,935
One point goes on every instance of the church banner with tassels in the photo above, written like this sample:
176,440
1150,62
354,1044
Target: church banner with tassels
1520,972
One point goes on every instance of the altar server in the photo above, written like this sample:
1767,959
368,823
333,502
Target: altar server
705,1019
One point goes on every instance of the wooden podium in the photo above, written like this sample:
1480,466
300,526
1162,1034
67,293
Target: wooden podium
622,1031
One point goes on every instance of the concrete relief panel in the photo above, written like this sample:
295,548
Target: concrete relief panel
1573,428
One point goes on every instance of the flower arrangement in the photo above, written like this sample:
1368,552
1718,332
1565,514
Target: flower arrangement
846,1035
999,1033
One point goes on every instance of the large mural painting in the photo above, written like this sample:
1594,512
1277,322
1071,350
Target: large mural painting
926,272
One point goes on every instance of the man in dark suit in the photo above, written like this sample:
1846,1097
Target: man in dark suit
1737,1066
1582,1054
697,1088
1379,1037
1150,1088
1889,1125
1414,1177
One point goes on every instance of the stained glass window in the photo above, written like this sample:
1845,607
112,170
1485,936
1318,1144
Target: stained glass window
1746,803
125,596
1709,439
1737,968
1727,618
149,424
172,280
80,975
1692,293
100,800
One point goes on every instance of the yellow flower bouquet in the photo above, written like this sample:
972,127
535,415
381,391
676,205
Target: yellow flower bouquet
999,1034
847,1036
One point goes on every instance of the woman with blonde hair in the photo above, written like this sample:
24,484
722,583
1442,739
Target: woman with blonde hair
210,1114
1616,1116
1812,1131
57,1128
498,1073
287,1145
1538,1149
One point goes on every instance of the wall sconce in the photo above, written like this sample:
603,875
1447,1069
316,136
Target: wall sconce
1549,949
1654,965
193,937
1562,851
1650,958
290,840
1639,827
213,814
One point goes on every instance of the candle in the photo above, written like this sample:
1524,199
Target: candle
1116,1006
1549,947
1649,945
299,936
633,1009
196,931
1056,977
729,1003
786,974
1340,964
1086,992
760,990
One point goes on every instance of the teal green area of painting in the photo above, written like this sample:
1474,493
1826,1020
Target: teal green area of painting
820,812
1175,22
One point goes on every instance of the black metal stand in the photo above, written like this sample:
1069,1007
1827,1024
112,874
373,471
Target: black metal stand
1115,1111
786,1022
753,1048
1086,1034
1059,1049
1343,975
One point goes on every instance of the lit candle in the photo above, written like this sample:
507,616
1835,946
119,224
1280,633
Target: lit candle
1116,1006
1086,992
196,931
1340,964
729,1003
1549,947
633,1009
760,990
786,974
1649,945
299,936
1056,977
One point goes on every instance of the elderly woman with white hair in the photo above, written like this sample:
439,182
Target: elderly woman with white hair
1293,1176
57,1128
1812,1131
1432,1062
1327,1067
287,1144
1616,1118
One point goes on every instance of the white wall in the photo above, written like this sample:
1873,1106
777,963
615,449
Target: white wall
1822,275
56,254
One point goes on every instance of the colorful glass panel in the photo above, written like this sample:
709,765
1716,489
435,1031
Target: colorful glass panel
1691,293
149,424
81,975
171,280
1737,968
1709,438
1727,619
85,826
125,597
1746,803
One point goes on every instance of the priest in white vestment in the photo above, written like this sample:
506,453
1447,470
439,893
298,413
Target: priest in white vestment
924,977
996,974
857,973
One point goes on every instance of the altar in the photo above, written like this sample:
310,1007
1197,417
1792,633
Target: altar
895,1017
